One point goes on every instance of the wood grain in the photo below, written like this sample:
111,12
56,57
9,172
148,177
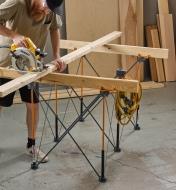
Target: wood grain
131,24
165,23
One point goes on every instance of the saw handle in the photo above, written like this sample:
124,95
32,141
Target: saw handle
40,53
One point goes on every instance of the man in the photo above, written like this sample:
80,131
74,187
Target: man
33,19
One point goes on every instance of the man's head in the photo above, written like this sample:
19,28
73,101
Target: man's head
41,8
54,5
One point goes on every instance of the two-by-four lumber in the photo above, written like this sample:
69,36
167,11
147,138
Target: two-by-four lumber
165,24
159,62
118,49
128,26
152,62
93,82
79,81
156,65
163,6
31,77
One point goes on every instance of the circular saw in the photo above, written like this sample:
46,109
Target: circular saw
27,58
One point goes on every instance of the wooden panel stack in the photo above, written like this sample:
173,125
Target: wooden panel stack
86,20
131,24
156,65
165,24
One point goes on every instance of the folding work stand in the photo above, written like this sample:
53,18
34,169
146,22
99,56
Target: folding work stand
85,110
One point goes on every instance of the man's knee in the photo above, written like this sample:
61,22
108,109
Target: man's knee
30,107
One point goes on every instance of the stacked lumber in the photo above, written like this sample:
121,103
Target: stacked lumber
131,25
156,65
165,25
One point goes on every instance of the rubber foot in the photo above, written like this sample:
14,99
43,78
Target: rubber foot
102,179
34,166
117,149
137,128
81,119
56,140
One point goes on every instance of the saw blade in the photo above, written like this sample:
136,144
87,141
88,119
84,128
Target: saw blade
24,60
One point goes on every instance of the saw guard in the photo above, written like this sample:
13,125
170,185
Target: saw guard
23,59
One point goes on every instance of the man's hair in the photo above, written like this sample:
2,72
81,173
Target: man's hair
54,5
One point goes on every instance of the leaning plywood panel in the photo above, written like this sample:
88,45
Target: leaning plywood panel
159,62
86,20
165,22
131,24
152,61
163,7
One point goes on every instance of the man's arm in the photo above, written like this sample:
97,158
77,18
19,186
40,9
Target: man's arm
7,11
17,38
55,42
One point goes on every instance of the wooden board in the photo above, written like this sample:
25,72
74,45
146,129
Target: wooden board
165,23
131,26
85,21
63,94
31,77
118,49
158,62
152,85
80,81
93,82
163,7
153,69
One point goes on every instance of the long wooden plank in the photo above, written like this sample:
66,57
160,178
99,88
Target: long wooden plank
165,23
159,62
31,77
163,6
128,25
80,81
140,31
118,49
62,94
153,69
94,82
151,85
86,20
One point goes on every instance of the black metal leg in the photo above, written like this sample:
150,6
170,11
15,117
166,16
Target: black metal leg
81,109
56,129
117,148
136,126
102,178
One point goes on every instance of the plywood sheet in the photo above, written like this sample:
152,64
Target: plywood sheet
131,24
163,7
158,62
152,62
87,20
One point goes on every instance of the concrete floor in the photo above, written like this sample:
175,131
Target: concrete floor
147,160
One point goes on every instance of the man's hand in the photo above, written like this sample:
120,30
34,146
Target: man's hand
19,40
61,66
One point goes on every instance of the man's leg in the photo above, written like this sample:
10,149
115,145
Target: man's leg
32,119
0,111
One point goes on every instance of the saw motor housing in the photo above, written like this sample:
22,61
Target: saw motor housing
27,58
